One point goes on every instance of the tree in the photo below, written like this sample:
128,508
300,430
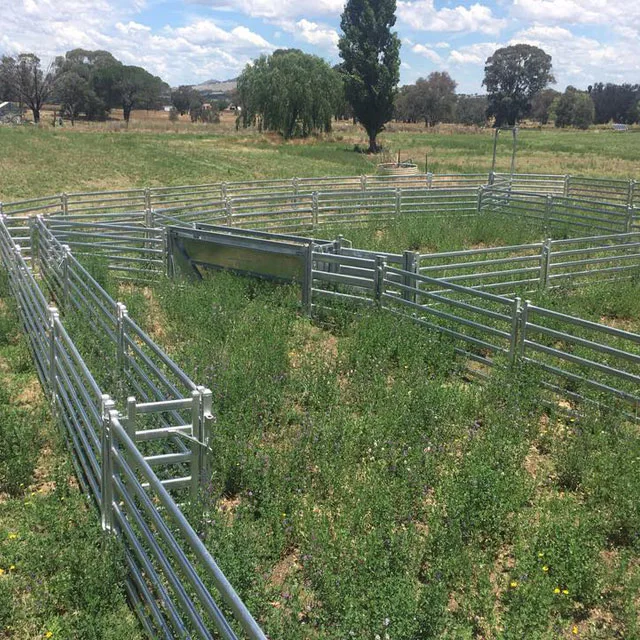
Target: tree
289,91
432,100
7,79
182,98
541,105
371,62
573,108
136,87
615,102
32,84
471,110
74,94
513,76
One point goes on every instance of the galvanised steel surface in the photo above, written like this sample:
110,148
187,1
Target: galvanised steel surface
171,577
158,442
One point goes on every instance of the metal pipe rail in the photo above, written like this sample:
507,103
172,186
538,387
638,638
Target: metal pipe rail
171,575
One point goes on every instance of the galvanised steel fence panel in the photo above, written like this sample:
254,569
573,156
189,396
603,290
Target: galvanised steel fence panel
279,211
186,195
485,323
102,203
598,259
159,543
355,207
544,184
601,189
46,205
20,231
437,202
135,251
579,356
504,269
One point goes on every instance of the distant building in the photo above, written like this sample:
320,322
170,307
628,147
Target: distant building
167,107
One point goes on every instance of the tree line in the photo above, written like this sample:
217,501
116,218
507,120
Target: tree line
81,82
296,94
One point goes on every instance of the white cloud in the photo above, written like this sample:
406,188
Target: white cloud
197,51
442,45
473,54
279,9
313,33
600,12
427,52
423,16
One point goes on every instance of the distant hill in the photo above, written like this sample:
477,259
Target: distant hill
217,87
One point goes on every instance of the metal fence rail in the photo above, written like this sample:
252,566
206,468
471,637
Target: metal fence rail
130,460
171,577
577,356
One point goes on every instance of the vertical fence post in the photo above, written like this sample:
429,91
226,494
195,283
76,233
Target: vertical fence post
130,424
480,195
522,337
566,186
548,207
379,275
66,258
64,204
628,225
223,190
516,314
307,280
429,180
545,263
398,202
314,210
363,183
121,316
106,488
196,434
630,193
492,178
228,205
337,250
410,261
206,433
147,199
53,339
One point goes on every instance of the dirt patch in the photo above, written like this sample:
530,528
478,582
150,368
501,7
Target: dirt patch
30,395
228,507
625,324
284,569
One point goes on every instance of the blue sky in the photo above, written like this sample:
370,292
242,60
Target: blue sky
189,41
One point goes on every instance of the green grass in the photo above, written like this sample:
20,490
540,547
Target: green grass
59,576
43,161
361,486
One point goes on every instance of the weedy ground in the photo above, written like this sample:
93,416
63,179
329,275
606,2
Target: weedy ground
59,576
362,485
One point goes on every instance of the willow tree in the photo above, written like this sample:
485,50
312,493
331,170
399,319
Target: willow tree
289,91
371,62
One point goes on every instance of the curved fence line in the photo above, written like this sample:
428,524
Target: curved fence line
157,444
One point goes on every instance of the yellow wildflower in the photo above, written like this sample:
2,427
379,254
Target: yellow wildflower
1,571
541,555
545,568
574,630
556,590
48,634
513,584
12,536
12,567
566,592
